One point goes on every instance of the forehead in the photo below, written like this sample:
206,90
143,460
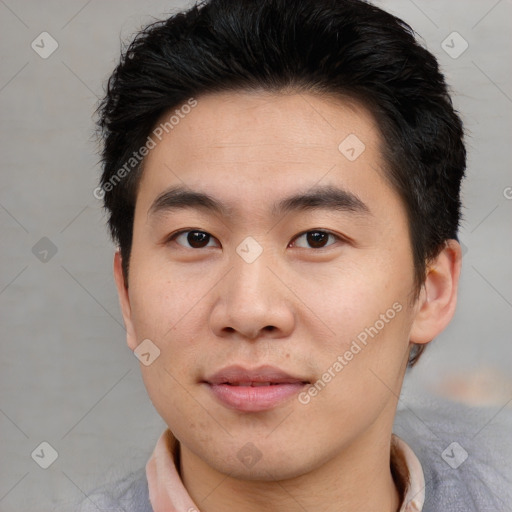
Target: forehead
264,126
256,147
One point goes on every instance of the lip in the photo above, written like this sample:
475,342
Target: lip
253,390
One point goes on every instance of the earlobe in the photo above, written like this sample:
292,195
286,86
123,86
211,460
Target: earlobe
124,301
438,298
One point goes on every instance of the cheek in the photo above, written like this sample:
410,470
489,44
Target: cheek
369,321
359,379
348,303
160,302
169,396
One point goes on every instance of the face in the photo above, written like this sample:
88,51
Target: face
311,295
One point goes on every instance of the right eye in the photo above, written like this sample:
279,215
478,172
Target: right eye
195,238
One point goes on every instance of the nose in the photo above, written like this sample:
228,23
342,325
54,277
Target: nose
252,302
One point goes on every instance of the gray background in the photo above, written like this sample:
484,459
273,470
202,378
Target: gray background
67,376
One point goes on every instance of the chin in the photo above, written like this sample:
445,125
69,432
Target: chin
266,470
261,460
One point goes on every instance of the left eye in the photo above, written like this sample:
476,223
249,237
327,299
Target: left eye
317,239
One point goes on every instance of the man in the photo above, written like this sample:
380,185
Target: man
283,182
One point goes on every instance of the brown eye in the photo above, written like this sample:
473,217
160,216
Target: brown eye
316,239
194,239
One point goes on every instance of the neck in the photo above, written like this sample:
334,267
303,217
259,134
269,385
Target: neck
357,479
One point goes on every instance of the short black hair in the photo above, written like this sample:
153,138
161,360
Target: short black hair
348,48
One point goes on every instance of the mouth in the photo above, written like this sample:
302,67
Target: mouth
255,384
255,390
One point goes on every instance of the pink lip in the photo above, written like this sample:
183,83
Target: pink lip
237,387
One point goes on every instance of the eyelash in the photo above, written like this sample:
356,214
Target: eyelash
173,237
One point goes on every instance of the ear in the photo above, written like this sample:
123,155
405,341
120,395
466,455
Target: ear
124,301
436,304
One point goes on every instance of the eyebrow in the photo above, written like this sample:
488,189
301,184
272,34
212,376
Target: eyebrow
327,197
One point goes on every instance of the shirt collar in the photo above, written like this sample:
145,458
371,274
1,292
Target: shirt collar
415,487
168,494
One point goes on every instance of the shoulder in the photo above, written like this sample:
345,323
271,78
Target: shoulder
465,453
129,493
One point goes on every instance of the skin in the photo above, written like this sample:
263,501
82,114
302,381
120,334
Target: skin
296,307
